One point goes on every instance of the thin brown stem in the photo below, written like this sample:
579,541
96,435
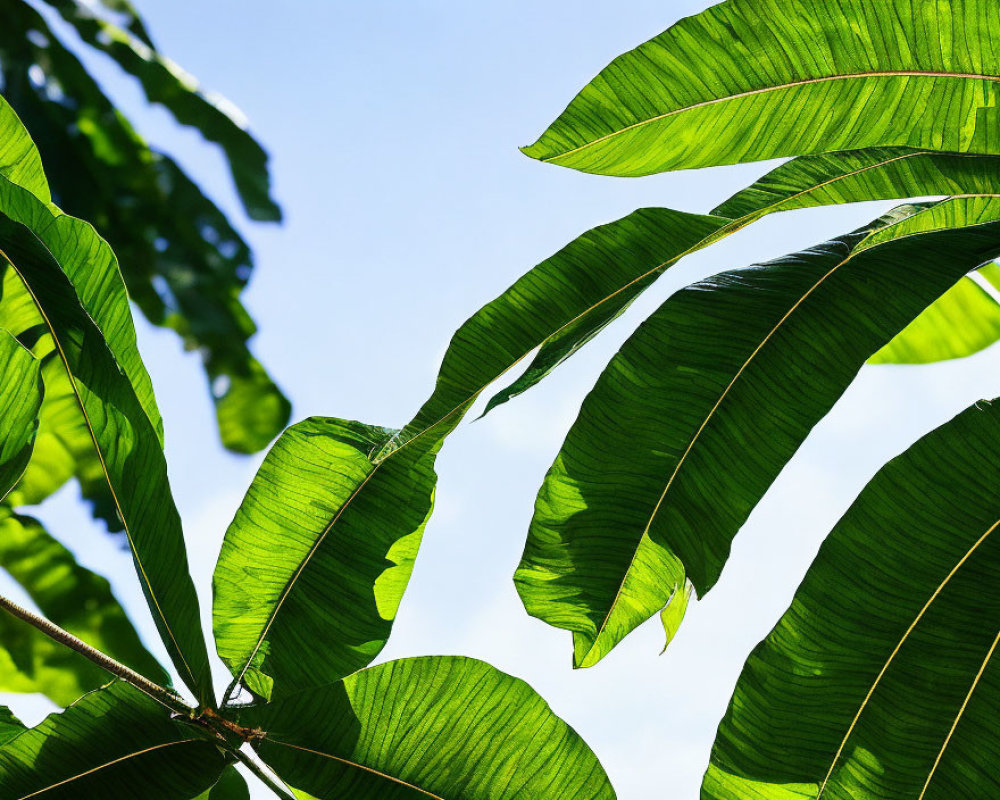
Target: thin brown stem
160,694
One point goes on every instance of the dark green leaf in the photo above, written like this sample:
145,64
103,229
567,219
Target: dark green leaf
567,299
880,680
427,727
75,599
164,82
115,743
184,263
698,413
747,80
94,348
314,565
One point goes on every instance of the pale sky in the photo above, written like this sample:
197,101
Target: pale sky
394,130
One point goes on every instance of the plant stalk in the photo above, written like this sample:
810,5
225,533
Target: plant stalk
266,779
158,693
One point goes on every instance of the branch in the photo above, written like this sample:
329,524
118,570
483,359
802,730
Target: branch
160,694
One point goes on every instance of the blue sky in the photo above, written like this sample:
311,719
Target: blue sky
394,129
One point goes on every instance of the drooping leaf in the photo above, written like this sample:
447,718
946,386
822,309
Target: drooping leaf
427,727
20,401
114,742
75,599
94,349
566,300
184,263
10,726
167,84
748,80
314,564
881,679
963,321
700,410
231,786
122,11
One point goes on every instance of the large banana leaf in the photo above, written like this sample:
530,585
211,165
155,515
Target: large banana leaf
94,349
314,564
427,727
183,261
567,299
75,599
697,414
20,401
747,80
880,680
115,742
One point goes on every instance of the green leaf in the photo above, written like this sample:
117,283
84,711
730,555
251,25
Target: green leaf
19,159
568,299
165,83
20,401
314,564
115,742
231,786
94,348
427,727
747,80
565,301
64,447
880,679
877,173
697,414
75,599
183,261
91,267
10,726
122,10
963,321
249,408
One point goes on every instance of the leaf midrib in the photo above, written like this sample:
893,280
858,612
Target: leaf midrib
958,716
100,455
112,763
768,89
347,762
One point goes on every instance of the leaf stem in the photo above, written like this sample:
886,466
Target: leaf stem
264,778
160,694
